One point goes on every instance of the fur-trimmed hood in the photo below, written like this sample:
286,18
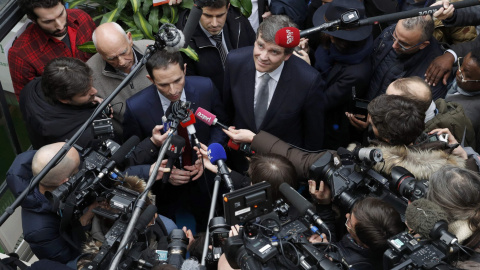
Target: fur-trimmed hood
420,161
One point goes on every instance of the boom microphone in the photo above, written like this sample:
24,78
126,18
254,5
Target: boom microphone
429,220
208,118
174,151
287,37
217,156
300,203
173,38
192,21
146,217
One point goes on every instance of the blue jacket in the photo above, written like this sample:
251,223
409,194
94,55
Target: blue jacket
41,225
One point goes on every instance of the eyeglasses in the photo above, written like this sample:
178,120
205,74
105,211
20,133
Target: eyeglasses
400,44
459,63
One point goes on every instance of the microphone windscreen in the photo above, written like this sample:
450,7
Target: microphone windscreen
120,155
216,153
422,214
297,200
205,116
146,217
176,145
190,264
287,37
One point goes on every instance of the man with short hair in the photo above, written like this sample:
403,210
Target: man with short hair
55,105
145,109
221,29
55,32
404,50
267,89
117,54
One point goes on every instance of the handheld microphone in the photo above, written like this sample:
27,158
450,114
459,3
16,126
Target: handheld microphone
217,156
192,21
287,37
208,118
301,204
174,151
429,220
118,157
188,123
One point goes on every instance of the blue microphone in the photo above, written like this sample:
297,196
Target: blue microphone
217,156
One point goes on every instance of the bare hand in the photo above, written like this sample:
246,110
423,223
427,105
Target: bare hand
459,151
189,235
315,238
240,135
358,124
302,55
266,14
323,195
234,230
161,169
97,100
304,45
179,177
174,2
440,68
445,12
203,155
196,170
157,137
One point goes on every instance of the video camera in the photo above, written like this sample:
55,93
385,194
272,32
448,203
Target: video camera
270,239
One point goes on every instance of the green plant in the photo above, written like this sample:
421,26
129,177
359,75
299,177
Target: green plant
143,19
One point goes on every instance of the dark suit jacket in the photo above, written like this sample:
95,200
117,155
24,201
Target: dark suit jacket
295,114
238,33
144,110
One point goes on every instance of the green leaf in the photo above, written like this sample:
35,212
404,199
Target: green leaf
174,14
97,17
153,19
147,6
143,25
111,16
74,3
121,4
137,35
245,6
186,4
87,47
129,23
190,53
135,5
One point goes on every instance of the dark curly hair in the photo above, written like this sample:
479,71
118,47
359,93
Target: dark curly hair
28,6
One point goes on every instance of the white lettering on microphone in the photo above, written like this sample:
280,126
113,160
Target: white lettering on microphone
204,117
289,36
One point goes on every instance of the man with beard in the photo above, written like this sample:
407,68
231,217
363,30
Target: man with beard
55,105
55,32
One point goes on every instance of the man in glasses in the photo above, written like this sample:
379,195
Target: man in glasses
404,50
465,89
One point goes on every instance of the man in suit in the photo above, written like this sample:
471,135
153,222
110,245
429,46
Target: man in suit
222,28
288,101
145,109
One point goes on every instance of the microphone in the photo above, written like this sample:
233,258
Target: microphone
145,218
429,220
301,204
208,118
172,37
287,37
192,21
174,150
118,157
217,156
188,123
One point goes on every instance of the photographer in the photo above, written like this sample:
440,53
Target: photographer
457,191
369,225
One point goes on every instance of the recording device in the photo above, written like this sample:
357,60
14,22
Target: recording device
178,112
432,249
219,232
360,106
103,128
217,156
174,151
90,182
404,184
268,240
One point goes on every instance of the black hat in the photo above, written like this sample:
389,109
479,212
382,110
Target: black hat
332,11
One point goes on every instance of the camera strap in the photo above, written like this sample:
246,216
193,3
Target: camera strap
70,228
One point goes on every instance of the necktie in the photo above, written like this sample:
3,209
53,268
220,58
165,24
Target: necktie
261,105
187,152
219,45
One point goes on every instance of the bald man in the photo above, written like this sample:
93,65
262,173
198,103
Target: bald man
41,224
117,54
